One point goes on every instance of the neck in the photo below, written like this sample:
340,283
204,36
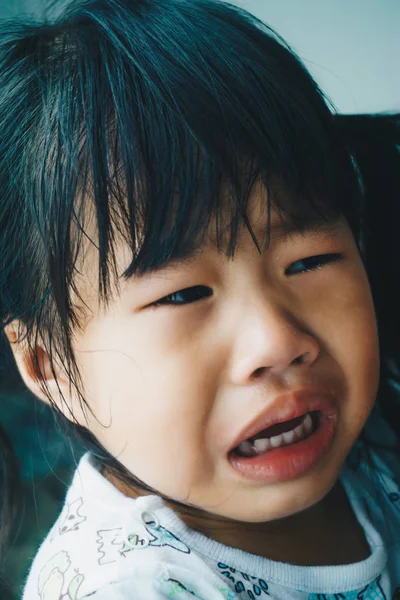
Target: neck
281,540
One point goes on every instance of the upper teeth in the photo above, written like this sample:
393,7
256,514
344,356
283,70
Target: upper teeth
261,445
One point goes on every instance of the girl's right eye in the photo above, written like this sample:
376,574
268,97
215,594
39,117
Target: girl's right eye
186,296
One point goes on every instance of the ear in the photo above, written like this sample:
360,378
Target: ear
35,368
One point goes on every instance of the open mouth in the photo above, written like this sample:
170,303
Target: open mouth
279,435
287,448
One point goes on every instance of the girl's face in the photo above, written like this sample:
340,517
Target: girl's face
192,360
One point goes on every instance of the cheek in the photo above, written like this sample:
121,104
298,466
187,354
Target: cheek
149,406
349,330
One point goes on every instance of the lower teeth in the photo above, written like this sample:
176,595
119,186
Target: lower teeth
261,446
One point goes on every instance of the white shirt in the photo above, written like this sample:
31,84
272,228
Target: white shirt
107,546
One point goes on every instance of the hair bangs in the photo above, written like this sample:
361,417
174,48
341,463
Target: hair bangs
181,110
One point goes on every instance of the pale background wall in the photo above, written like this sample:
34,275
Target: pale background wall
352,47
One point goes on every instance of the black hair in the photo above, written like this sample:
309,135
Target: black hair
152,117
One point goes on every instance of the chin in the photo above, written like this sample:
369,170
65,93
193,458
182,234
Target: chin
283,500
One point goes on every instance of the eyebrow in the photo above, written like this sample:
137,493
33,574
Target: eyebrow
179,260
278,230
317,225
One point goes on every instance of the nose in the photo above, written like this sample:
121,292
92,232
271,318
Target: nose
270,339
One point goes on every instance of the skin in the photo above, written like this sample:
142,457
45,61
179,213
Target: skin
172,386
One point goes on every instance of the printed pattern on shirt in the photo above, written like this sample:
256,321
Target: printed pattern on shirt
57,581
252,587
71,519
113,543
372,591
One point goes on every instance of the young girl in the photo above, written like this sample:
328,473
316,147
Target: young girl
182,277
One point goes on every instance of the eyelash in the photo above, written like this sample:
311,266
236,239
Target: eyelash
199,292
313,262
166,301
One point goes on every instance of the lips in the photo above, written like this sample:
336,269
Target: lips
286,407
294,458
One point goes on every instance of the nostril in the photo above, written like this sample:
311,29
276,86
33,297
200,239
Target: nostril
300,360
260,372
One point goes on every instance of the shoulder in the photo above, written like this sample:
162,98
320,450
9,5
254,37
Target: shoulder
87,547
104,545
382,449
373,469
138,589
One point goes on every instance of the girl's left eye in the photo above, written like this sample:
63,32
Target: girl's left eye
186,296
312,262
